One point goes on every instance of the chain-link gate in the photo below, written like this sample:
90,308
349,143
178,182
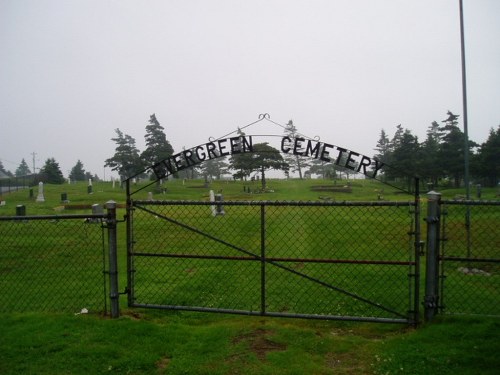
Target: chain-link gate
350,260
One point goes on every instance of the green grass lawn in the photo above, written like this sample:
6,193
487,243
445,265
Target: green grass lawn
157,342
187,343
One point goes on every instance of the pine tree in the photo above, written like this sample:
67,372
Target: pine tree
23,169
429,165
3,171
296,163
240,162
51,173
77,172
126,160
488,159
158,148
214,168
451,153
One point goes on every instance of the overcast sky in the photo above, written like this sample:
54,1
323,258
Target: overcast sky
73,71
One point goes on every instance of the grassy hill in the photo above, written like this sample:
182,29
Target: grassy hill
277,190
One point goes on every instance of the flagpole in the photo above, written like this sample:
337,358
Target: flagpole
464,104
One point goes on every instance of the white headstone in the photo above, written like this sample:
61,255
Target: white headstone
150,196
40,197
212,199
90,182
112,179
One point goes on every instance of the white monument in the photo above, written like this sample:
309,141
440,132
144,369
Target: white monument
212,199
40,197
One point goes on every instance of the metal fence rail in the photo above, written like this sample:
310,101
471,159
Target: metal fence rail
335,260
470,257
16,183
52,263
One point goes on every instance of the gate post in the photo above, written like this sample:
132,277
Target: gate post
113,259
431,299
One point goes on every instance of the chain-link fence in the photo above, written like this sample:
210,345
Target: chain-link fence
470,257
52,264
345,260
10,184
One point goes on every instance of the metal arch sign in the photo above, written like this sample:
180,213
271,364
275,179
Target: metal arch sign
298,146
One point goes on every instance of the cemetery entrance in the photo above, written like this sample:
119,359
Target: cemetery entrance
316,259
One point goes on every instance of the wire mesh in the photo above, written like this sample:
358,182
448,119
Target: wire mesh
470,258
275,257
52,265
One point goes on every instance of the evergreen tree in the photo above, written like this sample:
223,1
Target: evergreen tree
429,165
126,160
158,148
487,162
406,157
451,153
239,162
383,148
296,163
3,171
322,168
192,171
214,168
77,172
23,169
51,173
264,157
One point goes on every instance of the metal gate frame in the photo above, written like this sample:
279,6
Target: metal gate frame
413,313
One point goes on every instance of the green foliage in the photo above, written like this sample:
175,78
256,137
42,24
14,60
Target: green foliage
51,173
158,148
23,169
487,162
77,172
440,157
214,168
295,162
126,160
3,171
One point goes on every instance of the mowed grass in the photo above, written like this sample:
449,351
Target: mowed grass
187,343
157,342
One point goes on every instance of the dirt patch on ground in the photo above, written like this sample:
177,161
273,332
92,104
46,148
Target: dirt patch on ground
259,342
162,365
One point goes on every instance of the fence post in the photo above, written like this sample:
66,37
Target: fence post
113,260
431,299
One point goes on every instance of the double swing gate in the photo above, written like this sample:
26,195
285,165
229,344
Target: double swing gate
323,260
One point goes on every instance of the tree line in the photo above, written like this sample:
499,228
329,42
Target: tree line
438,160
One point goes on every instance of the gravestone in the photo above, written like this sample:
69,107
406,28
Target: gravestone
97,209
219,208
20,210
150,196
89,187
40,197
212,199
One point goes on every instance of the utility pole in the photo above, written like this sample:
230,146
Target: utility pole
34,169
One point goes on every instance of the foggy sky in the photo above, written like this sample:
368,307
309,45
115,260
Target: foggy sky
73,71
